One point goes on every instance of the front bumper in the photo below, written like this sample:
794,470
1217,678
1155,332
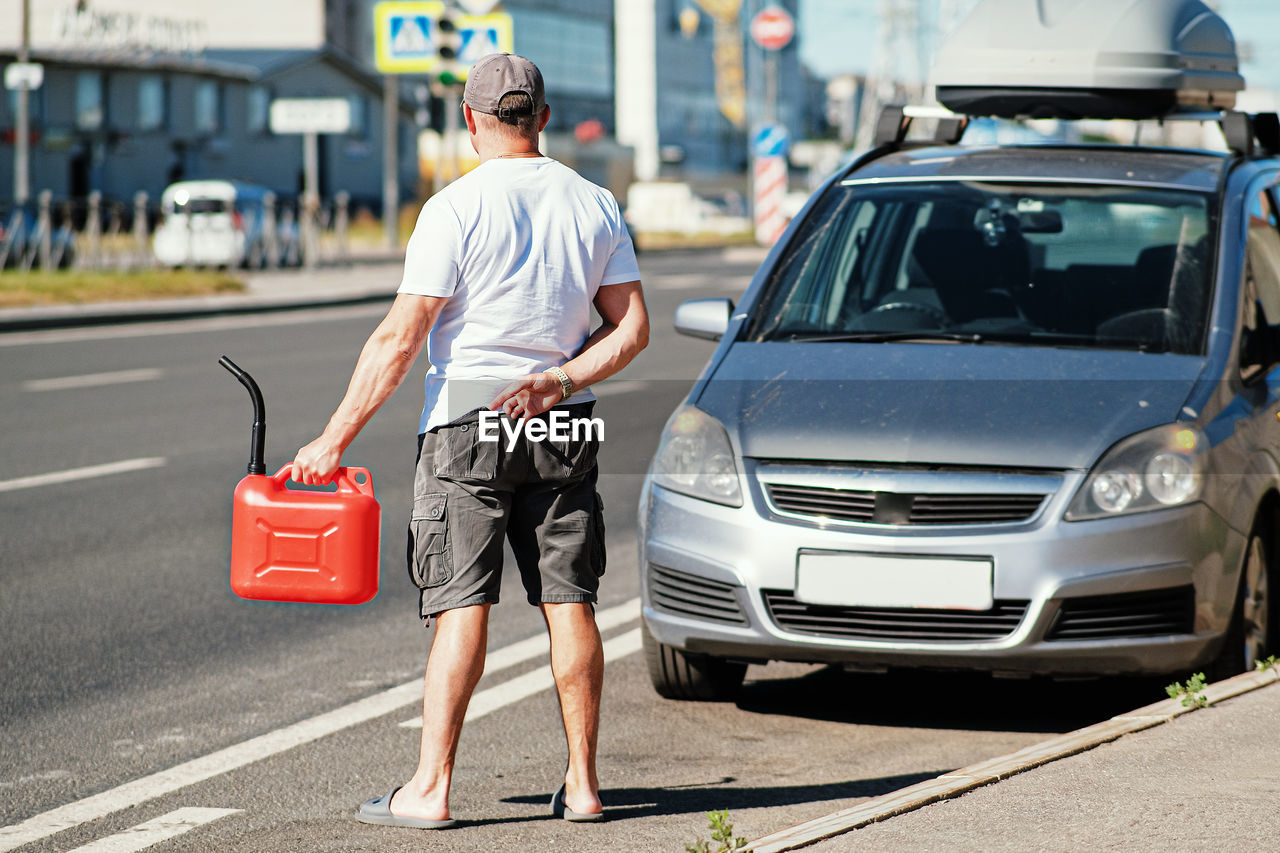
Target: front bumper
746,559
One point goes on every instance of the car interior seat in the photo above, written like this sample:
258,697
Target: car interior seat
1165,306
973,278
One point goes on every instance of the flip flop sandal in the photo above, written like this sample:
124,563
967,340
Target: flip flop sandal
378,811
559,809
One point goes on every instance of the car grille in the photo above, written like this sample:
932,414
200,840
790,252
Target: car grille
1131,614
689,595
893,623
895,508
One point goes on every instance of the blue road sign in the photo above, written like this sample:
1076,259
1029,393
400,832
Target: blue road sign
772,140
408,39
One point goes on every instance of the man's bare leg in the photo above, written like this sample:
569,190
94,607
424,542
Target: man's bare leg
454,666
577,662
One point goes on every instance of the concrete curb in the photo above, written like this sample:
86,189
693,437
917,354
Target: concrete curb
111,313
958,782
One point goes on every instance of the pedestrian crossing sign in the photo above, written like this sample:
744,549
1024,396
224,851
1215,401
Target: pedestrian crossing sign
483,38
408,37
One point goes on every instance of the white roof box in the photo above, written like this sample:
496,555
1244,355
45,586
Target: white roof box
1088,59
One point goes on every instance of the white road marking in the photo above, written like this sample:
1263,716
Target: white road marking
36,777
523,686
93,380
264,746
152,832
77,474
744,255
619,386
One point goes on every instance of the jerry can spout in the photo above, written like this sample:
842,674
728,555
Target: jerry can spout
257,450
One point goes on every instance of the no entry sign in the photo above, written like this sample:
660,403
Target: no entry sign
772,28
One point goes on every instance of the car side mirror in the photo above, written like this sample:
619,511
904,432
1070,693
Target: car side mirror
704,318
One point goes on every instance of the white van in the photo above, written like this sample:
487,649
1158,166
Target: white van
211,223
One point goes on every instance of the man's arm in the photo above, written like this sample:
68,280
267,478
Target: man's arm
384,362
624,332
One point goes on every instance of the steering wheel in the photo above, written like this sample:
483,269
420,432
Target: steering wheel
937,315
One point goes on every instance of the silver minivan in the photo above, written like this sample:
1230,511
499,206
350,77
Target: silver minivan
1003,408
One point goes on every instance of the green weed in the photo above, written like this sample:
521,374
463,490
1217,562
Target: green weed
1191,692
721,836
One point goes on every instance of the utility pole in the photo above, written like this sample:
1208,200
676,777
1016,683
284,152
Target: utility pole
770,86
391,159
447,165
448,86
310,198
22,147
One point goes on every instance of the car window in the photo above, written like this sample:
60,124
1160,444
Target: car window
1112,235
1260,301
822,273
1263,253
201,205
1092,266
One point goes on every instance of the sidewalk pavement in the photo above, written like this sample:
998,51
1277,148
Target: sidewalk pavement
369,280
1161,778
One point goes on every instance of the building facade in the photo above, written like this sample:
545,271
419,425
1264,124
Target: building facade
693,87
140,93
571,41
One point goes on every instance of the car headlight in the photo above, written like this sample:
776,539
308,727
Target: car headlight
695,458
1151,470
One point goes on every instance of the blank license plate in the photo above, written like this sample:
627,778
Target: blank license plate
872,580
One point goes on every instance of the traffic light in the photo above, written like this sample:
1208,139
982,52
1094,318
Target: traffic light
447,39
448,43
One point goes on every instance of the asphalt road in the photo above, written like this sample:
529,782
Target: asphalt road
138,691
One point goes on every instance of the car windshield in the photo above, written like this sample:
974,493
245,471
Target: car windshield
201,205
970,262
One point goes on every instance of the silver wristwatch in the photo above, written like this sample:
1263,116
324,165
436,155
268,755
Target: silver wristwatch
566,384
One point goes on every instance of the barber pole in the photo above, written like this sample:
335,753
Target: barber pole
770,192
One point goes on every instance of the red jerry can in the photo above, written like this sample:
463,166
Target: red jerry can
294,545
299,545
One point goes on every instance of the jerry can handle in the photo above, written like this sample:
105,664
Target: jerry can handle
348,479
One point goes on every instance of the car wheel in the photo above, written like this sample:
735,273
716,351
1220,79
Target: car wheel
678,675
1250,636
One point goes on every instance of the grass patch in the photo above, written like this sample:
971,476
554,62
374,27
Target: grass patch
366,229
74,287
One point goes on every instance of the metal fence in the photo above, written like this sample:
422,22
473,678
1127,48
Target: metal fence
99,234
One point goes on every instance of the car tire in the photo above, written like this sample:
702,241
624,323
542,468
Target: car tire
701,678
1251,636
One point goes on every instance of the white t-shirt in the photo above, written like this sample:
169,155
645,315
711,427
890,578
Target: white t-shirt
520,246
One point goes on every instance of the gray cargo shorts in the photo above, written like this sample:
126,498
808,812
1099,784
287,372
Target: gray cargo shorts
541,495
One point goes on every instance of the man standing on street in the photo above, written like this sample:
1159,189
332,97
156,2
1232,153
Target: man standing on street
500,276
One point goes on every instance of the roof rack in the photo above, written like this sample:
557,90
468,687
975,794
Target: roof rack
1247,135
895,123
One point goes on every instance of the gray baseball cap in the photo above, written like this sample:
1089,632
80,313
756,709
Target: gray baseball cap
500,74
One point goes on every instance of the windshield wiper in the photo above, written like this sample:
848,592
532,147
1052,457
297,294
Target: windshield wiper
1064,339
889,337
